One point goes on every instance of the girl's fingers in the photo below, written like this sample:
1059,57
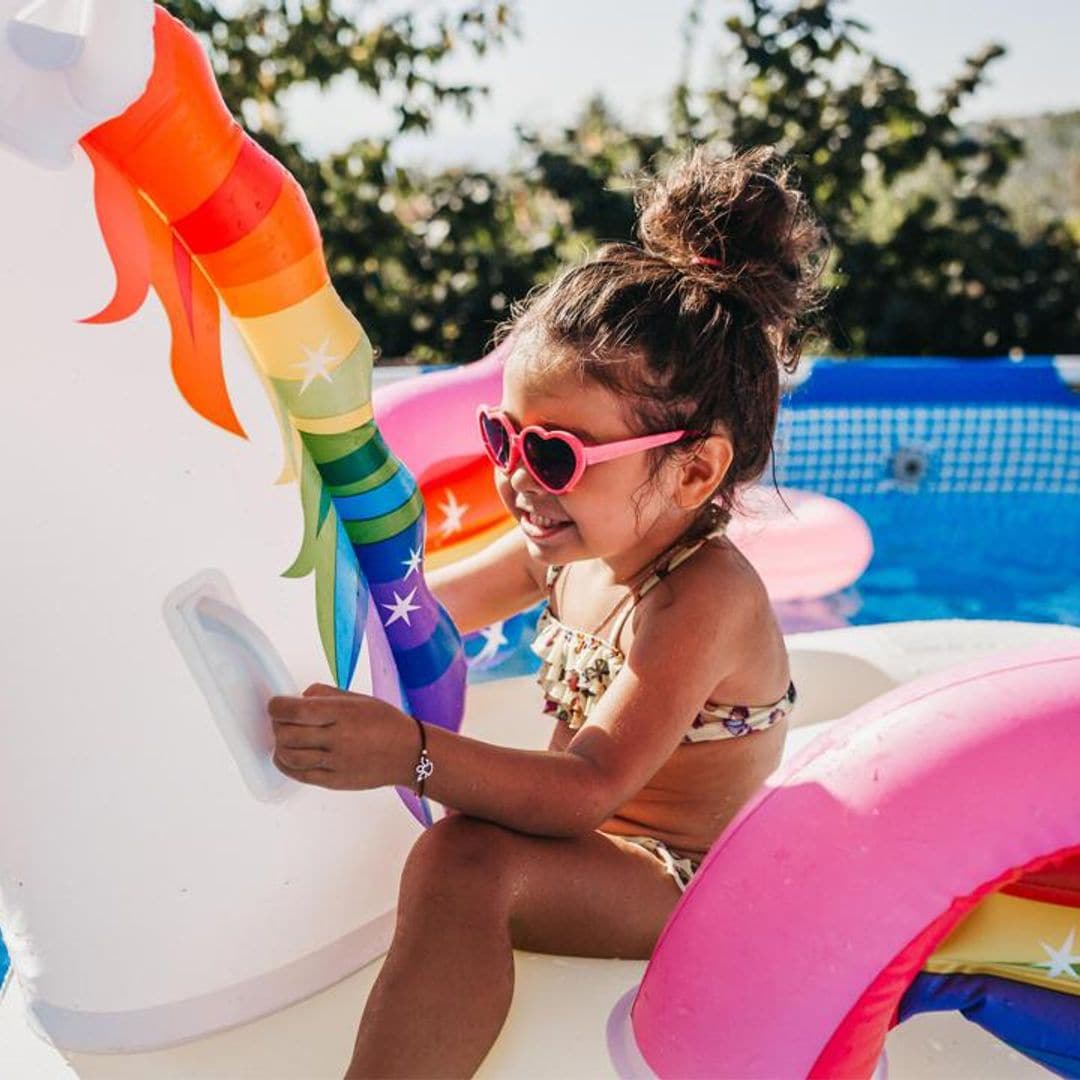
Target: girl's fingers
322,690
301,760
295,737
318,710
326,778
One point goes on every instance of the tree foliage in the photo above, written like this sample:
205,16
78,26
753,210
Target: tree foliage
926,257
918,267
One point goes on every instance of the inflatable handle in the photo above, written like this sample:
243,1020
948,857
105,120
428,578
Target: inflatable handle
238,670
240,629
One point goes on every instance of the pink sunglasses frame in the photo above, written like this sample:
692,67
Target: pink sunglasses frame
584,456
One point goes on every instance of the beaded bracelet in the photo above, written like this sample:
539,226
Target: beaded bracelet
424,765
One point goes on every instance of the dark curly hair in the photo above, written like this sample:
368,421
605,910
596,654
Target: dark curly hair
693,327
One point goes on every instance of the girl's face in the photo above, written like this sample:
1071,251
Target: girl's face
596,519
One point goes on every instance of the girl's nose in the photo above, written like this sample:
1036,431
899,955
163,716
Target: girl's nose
521,481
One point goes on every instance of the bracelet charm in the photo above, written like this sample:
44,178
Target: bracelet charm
424,765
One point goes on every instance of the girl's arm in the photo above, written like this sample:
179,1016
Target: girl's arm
678,655
494,583
351,741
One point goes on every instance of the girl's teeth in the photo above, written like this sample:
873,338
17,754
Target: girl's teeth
543,522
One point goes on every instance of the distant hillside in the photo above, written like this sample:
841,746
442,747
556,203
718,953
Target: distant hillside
1045,183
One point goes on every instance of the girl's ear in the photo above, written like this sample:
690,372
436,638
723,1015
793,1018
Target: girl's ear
702,474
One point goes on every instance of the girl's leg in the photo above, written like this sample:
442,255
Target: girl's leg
471,892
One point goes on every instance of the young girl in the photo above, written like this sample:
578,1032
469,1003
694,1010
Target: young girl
640,396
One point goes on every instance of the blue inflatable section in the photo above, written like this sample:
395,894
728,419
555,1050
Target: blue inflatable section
905,380
502,651
1042,1024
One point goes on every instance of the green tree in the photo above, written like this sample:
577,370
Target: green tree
918,267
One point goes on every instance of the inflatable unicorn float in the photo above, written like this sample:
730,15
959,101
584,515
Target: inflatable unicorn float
173,905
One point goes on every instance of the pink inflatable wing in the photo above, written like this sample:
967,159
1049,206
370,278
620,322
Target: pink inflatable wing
823,899
430,420
804,545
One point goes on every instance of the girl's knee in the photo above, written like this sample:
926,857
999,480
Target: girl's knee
453,854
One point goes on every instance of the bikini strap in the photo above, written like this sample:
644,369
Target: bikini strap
550,576
627,611
658,575
680,556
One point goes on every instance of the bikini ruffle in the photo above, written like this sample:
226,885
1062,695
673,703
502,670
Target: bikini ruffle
576,669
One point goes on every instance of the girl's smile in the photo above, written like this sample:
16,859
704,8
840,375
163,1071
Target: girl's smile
539,528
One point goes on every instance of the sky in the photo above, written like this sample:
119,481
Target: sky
630,50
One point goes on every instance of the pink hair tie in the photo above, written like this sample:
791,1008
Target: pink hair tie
704,260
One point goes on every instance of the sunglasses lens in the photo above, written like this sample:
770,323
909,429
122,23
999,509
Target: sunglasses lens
496,439
552,459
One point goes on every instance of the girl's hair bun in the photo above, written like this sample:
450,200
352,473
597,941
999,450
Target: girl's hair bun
736,225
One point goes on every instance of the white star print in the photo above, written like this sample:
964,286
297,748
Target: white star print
316,364
412,563
453,512
400,608
1061,960
493,638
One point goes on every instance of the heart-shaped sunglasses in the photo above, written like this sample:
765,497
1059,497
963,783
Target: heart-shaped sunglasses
554,459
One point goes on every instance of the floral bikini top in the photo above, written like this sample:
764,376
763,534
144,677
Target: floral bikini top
578,666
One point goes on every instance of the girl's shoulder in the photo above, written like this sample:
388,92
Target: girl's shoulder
716,576
717,608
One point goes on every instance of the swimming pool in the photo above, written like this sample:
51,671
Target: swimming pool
966,556
967,473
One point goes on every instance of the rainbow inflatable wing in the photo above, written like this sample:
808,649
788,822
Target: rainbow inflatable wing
192,206
1013,967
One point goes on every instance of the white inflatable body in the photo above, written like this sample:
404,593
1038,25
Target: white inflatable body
123,811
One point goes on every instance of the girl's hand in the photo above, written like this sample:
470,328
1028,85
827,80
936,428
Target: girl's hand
336,739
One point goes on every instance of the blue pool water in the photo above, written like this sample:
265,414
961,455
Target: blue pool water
968,474
968,556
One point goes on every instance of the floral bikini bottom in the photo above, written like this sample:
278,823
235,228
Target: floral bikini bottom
680,867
